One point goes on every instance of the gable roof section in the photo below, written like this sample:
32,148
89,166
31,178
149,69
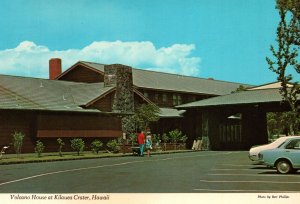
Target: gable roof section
243,97
85,93
174,82
25,93
92,66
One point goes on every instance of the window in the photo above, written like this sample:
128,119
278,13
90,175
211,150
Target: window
156,97
177,100
146,94
164,97
294,144
193,98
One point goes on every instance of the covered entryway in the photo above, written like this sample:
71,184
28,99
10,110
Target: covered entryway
236,121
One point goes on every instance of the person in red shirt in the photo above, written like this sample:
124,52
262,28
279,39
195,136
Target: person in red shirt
141,142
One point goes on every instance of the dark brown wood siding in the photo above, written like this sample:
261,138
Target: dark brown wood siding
83,74
47,127
17,121
105,103
77,122
68,126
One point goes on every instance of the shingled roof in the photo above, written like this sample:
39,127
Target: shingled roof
43,94
24,93
258,96
175,82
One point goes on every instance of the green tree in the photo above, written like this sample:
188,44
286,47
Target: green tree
18,142
60,146
279,123
39,148
285,55
78,145
96,146
239,89
145,114
274,128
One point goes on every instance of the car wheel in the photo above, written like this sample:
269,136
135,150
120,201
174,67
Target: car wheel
283,167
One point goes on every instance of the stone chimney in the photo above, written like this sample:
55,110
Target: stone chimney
54,67
120,76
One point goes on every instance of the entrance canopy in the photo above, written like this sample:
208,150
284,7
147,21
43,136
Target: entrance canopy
252,105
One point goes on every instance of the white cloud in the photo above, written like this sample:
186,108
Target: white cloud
29,59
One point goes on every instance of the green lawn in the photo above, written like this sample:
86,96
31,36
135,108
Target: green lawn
54,156
12,158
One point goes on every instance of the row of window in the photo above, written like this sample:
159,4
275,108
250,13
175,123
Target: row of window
176,98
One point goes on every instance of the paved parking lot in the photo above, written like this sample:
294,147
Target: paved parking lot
241,175
194,172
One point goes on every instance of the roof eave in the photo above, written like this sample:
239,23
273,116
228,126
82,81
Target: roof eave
171,90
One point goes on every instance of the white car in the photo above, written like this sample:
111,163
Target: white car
254,151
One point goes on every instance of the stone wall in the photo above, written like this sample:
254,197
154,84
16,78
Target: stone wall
120,76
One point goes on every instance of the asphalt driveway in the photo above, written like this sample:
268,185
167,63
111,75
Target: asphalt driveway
193,172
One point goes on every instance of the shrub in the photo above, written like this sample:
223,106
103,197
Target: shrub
133,138
18,142
113,146
183,139
78,145
165,138
96,146
205,143
175,135
60,146
39,148
155,138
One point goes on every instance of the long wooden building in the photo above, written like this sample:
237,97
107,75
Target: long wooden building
79,102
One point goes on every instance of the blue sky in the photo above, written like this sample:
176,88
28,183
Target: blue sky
223,39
